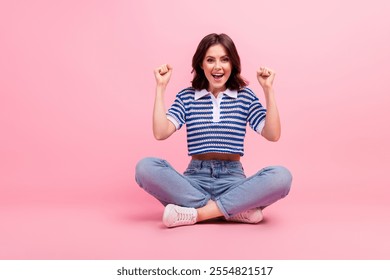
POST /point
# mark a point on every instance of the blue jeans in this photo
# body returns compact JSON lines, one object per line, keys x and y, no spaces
{"x":221,"y":181}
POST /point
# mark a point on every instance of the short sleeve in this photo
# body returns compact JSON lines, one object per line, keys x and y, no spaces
{"x":176,"y":113}
{"x":256,"y":115}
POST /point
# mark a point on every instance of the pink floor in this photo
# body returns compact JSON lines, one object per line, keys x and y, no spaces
{"x":117,"y":227}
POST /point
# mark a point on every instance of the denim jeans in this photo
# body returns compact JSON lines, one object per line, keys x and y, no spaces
{"x":221,"y":181}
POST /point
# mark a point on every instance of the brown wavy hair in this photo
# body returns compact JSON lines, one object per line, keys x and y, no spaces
{"x":235,"y":81}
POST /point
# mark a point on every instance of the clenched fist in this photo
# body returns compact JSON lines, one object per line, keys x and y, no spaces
{"x":163,"y":74}
{"x":265,"y":76}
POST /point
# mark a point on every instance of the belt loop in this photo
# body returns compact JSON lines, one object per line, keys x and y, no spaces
{"x":224,"y":166}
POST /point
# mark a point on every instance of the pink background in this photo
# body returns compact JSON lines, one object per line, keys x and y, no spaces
{"x":77,"y":91}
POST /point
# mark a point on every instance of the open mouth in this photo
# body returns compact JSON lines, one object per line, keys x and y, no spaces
{"x":217,"y":76}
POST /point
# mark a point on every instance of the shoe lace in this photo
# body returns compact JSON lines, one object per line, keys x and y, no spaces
{"x":243,"y":215}
{"x":185,"y":215}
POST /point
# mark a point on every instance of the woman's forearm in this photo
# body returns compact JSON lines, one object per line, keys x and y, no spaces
{"x":272,"y":128}
{"x":162,"y":127}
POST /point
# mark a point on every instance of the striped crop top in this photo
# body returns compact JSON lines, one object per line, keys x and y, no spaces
{"x":216,"y":124}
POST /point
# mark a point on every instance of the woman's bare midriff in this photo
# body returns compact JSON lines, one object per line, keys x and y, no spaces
{"x":217,"y":156}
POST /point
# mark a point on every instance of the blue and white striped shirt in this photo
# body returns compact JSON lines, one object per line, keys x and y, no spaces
{"x":216,"y":124}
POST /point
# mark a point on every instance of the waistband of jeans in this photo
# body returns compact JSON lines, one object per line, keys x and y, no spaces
{"x":214,"y":163}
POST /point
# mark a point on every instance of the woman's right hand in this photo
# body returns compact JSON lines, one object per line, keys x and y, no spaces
{"x":163,"y":74}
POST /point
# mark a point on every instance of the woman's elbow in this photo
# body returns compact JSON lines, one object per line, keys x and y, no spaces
{"x":273,"y":137}
{"x":160,"y":136}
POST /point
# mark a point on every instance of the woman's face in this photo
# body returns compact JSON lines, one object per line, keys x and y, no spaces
{"x":217,"y":68}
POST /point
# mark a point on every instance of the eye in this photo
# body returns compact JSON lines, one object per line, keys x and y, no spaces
{"x":225,"y":59}
{"x":210,"y":60}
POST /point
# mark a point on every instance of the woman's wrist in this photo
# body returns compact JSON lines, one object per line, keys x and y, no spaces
{"x":268,"y":90}
{"x":160,"y":88}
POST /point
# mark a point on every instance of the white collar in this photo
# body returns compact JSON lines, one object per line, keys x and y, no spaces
{"x":202,"y":93}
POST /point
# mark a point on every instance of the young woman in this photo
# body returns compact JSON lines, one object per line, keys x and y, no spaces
{"x":216,"y":110}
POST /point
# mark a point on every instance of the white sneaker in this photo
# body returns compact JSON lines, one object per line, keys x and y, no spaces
{"x":179,"y":216}
{"x":252,"y":216}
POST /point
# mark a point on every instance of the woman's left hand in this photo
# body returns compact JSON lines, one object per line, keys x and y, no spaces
{"x":265,"y":76}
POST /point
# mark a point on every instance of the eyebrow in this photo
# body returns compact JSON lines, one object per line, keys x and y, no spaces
{"x":210,"y":56}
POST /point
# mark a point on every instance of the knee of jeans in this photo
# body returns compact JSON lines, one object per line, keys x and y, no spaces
{"x":283,"y":177}
{"x":143,"y":168}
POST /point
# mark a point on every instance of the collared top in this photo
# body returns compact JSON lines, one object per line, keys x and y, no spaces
{"x":216,"y":124}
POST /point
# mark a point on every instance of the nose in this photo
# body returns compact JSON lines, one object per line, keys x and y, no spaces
{"x":217,"y":65}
